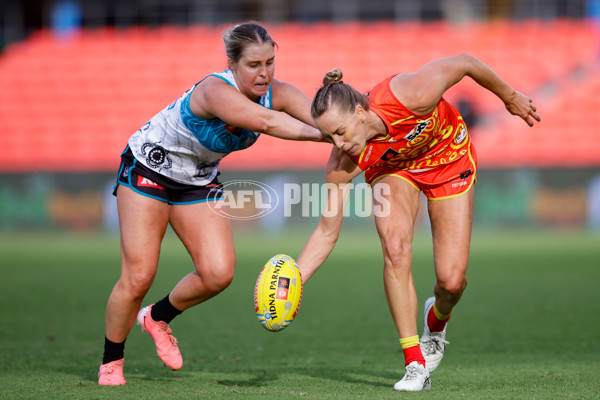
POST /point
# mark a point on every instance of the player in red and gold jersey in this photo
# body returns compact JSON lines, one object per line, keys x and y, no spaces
{"x":412,"y":142}
{"x":407,"y":138}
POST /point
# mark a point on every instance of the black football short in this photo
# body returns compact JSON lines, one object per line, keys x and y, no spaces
{"x":146,"y":182}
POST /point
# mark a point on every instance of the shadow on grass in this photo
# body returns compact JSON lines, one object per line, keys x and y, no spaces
{"x":356,"y":376}
{"x":258,"y":377}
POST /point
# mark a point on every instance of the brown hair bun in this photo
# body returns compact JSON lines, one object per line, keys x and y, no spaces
{"x":333,"y":76}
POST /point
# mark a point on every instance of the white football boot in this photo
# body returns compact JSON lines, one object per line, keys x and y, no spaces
{"x":433,"y":344}
{"x":415,"y":379}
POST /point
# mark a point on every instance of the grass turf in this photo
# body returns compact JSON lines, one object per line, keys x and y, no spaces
{"x":526,"y":328}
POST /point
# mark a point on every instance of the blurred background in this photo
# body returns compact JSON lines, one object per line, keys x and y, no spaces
{"x":78,"y":77}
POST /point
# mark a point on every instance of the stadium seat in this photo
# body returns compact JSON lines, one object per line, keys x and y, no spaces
{"x":96,"y":89}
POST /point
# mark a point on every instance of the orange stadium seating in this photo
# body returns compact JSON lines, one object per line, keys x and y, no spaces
{"x":71,"y":105}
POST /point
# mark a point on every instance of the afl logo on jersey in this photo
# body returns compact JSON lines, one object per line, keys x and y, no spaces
{"x":417,"y":130}
{"x":461,"y":136}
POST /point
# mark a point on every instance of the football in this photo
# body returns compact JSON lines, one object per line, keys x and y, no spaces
{"x":278,"y":293}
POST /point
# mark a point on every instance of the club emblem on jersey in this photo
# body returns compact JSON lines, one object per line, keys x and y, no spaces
{"x":417,"y":130}
{"x":389,"y":154}
{"x":156,"y":157}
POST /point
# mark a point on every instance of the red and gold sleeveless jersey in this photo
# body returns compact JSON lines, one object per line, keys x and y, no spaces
{"x":413,"y":142}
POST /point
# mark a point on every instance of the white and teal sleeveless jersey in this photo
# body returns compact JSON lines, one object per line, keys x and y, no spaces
{"x":181,"y":146}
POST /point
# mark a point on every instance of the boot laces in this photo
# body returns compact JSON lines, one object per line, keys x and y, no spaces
{"x":164,"y":327}
{"x":434,"y":344}
{"x":412,"y":373}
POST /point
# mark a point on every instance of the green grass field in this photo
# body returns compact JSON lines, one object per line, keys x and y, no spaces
{"x":526,"y":328}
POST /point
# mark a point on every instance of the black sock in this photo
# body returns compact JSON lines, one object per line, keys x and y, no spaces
{"x":163,"y":310}
{"x":113,"y":351}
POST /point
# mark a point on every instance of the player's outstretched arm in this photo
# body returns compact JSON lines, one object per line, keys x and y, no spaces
{"x":421,"y":91}
{"x":339,"y":174}
{"x":516,"y":102}
{"x":215,"y":98}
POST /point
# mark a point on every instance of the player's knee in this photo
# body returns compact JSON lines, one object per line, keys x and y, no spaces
{"x":137,"y":284}
{"x":453,"y":286}
{"x":217,"y":282}
{"x":225,"y":277}
{"x":220,"y":276}
{"x":398,"y":254}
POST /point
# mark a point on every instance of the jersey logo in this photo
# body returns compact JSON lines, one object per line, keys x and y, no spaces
{"x":417,"y":130}
{"x":366,"y":154}
{"x":461,"y":136}
{"x":148,"y":183}
{"x":389,"y":154}
{"x":465,"y":174}
{"x":157,"y":156}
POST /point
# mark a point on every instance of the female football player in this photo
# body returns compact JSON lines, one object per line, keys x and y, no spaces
{"x":168,"y":175}
{"x":406,"y":139}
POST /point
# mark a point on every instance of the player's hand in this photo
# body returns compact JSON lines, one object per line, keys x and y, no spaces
{"x":522,"y":106}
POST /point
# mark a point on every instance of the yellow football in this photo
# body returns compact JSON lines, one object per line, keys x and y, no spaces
{"x":278,"y":293}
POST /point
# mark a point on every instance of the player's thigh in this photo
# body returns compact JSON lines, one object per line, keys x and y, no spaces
{"x":451,"y":223}
{"x":206,"y":235}
{"x":398,"y":205}
{"x":142,"y":223}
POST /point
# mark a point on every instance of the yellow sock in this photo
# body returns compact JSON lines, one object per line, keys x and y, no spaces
{"x":412,"y":350}
{"x":439,"y":315}
{"x":409,"y":341}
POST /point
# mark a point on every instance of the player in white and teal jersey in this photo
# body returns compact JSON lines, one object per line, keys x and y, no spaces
{"x":167,"y":173}
{"x":180,"y":145}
